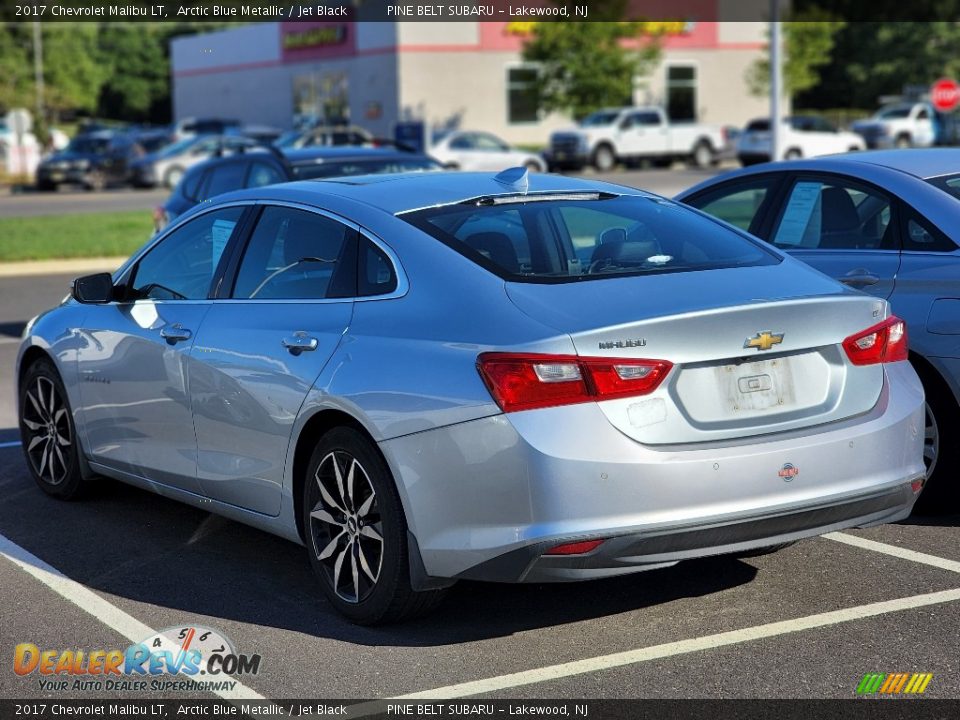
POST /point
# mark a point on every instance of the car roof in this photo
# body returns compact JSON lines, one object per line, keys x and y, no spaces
{"x":395,"y":193}
{"x":896,"y":169}
{"x":924,"y":163}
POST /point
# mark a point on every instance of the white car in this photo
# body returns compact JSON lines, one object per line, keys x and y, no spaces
{"x":803,"y":137}
{"x":481,"y":151}
{"x":901,"y":126}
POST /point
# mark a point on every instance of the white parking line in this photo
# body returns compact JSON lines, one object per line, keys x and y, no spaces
{"x":895,"y":551}
{"x":682,"y":647}
{"x":15,"y":443}
{"x":110,"y":615}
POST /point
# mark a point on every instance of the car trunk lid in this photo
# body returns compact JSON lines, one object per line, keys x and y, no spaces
{"x":754,"y":350}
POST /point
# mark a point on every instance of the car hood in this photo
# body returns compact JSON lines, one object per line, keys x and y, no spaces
{"x":577,"y":307}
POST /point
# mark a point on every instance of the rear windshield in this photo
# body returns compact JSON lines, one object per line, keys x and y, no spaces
{"x":342,"y":168}
{"x":564,"y":240}
{"x":758,"y":126}
{"x":948,"y":183}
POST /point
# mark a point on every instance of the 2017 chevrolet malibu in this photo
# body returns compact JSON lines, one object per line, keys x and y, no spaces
{"x":430,"y":377}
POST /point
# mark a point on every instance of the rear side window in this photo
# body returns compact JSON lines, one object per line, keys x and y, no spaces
{"x":835,"y":215}
{"x":225,"y":178}
{"x":263,"y":174}
{"x":376,"y":275}
{"x":294,"y":255}
{"x":920,"y":236}
{"x":566,"y":239}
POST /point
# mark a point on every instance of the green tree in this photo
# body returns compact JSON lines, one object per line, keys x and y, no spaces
{"x":873,"y":59}
{"x":808,"y":41}
{"x":585,"y":66}
{"x":16,"y":67}
{"x":139,"y":71}
{"x":73,"y":70}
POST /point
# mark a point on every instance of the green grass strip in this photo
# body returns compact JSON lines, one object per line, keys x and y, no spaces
{"x":81,"y":235}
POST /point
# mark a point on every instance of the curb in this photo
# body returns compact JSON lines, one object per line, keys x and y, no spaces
{"x":79,"y":266}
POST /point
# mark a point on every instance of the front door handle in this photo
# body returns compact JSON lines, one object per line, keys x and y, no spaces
{"x":175,"y":333}
{"x":859,"y":278}
{"x":299,"y":342}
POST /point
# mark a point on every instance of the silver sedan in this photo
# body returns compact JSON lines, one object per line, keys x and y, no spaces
{"x":512,"y":378}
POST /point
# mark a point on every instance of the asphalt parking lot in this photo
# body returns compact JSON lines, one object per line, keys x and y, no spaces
{"x":807,"y":622}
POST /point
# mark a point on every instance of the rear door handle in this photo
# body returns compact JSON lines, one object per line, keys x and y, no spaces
{"x":175,"y":333}
{"x":860,"y":278}
{"x":299,"y":342}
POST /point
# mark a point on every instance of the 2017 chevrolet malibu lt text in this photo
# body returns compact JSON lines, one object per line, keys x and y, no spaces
{"x":510,"y":378}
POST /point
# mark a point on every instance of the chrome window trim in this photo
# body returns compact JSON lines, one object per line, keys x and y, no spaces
{"x":163,"y":234}
{"x":403,"y":284}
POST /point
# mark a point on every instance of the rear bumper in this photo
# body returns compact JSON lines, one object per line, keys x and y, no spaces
{"x":71,"y":176}
{"x":486,"y":498}
{"x":566,"y":158}
{"x":666,"y":546}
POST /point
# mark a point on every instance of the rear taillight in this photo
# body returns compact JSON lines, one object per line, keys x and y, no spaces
{"x":883,"y":343}
{"x":525,"y":382}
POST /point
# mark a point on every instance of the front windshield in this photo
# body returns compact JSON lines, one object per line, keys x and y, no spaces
{"x":600,"y":118}
{"x":569,"y":239}
{"x":895,"y":112}
{"x":88,"y":145}
{"x":178,"y":147}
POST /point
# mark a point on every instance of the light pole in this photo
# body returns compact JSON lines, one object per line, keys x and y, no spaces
{"x":38,"y":69}
{"x":776,"y":82}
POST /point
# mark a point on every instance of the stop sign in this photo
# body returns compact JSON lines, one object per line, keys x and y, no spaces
{"x":945,"y":94}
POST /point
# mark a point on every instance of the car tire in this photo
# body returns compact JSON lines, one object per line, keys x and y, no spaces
{"x":356,"y":532}
{"x":533,"y":167}
{"x":793,"y":154}
{"x":47,"y":187}
{"x":902,"y":142}
{"x":604,"y":159}
{"x":941,"y":492}
{"x":172,"y":176}
{"x":702,"y":155}
{"x":48,"y":433}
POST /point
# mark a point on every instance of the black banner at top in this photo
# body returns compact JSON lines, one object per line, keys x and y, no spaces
{"x":468,"y":11}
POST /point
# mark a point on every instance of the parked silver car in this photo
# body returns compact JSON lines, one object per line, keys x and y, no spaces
{"x":515,"y":378}
{"x":885,"y":223}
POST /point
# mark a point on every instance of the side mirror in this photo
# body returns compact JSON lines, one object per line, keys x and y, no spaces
{"x":93,"y":289}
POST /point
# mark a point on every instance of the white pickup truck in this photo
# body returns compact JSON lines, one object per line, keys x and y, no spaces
{"x":902,"y":125}
{"x":632,"y":134}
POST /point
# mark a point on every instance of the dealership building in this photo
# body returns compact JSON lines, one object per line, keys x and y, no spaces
{"x":449,"y":74}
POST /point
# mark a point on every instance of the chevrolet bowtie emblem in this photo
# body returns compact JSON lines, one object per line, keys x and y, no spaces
{"x":764,"y":340}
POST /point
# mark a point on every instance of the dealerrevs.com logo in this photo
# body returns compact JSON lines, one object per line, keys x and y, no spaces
{"x":178,"y":658}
